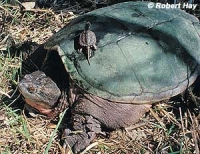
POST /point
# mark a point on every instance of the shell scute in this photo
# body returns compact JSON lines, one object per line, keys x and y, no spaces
{"x":87,"y":38}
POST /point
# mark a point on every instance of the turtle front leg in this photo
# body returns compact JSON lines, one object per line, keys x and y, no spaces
{"x":94,"y":47}
{"x":91,"y":112}
{"x":84,"y":131}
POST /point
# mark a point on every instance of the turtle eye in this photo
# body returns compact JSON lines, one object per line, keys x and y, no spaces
{"x":31,"y":89}
{"x":28,"y":77}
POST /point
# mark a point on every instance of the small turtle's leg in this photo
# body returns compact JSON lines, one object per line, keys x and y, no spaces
{"x":94,"y":47}
{"x":80,"y":50}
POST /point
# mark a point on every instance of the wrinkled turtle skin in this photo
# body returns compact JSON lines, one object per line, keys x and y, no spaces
{"x":143,"y":56}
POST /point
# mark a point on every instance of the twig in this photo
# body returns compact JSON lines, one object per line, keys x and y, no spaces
{"x":4,"y":93}
{"x":90,"y":147}
{"x":157,"y":118}
{"x":194,"y":133}
{"x":182,"y":124}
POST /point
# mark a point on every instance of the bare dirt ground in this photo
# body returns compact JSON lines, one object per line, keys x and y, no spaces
{"x":172,"y":126}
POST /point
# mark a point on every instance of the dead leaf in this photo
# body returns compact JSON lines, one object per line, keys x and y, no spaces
{"x":28,"y":5}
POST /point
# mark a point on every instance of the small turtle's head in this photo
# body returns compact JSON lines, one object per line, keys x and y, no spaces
{"x":87,"y":25}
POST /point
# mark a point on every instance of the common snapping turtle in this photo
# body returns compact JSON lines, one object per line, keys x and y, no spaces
{"x":87,"y":40}
{"x":143,"y":56}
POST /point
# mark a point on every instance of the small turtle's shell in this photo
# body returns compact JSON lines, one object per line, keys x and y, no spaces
{"x":144,"y":55}
{"x":87,"y":38}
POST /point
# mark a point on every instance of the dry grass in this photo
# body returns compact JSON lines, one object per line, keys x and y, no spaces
{"x":18,"y":133}
{"x":170,"y":127}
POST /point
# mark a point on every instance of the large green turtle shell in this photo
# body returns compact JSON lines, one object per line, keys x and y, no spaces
{"x":144,"y":55}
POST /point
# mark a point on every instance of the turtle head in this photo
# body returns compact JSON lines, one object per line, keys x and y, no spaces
{"x":39,"y":91}
{"x":87,"y":25}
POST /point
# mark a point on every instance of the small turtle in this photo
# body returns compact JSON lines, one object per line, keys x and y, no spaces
{"x":87,"y":40}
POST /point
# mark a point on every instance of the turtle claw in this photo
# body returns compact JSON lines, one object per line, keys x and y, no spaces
{"x":77,"y":141}
{"x":85,"y":130}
